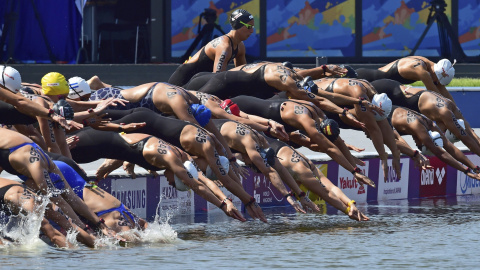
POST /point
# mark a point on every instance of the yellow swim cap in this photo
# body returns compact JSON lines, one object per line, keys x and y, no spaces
{"x":54,"y":83}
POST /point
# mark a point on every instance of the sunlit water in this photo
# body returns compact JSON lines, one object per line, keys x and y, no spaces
{"x":440,"y":233}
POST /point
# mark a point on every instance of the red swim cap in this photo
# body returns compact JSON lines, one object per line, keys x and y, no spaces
{"x":230,"y":107}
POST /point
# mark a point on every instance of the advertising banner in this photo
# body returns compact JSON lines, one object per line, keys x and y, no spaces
{"x":264,"y":192}
{"x":174,"y":201}
{"x":465,"y":184}
{"x":433,"y":181}
{"x":350,"y":186}
{"x":132,"y":193}
{"x":393,"y":187}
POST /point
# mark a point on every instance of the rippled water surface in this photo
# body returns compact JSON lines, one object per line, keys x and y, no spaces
{"x":440,"y":233}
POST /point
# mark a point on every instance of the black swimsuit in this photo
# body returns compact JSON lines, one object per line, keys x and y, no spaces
{"x":184,"y":72}
{"x":9,"y":115}
{"x":168,"y":129}
{"x":395,"y":93}
{"x":375,"y":74}
{"x":94,"y":144}
{"x":230,"y":84}
{"x":198,"y":80}
{"x":269,"y":109}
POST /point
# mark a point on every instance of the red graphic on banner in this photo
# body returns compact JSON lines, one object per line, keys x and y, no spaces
{"x":433,"y":182}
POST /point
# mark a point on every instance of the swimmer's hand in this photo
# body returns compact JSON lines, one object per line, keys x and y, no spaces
{"x":231,"y":211}
{"x":421,"y":161}
{"x":105,"y":103}
{"x":132,"y":126}
{"x":335,"y":71}
{"x":153,"y":173}
{"x":372,"y":108}
{"x":295,"y":204}
{"x":278,"y":130}
{"x":74,"y":125}
{"x":353,"y":120}
{"x":254,"y":210}
{"x":355,"y":214}
{"x":108,"y":166}
{"x":308,"y":204}
{"x":129,"y":168}
{"x":72,"y":141}
{"x":363,"y":179}
{"x":473,"y":175}
{"x":60,"y":120}
{"x":97,"y":121}
{"x":354,"y":148}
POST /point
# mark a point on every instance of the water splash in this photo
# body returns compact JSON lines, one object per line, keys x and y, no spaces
{"x":159,"y":230}
{"x":24,"y":228}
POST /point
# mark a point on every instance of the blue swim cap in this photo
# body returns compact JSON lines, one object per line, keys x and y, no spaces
{"x":201,"y":113}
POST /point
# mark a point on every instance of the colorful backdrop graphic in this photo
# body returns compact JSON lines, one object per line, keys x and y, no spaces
{"x":297,"y":28}
{"x":185,"y":15}
{"x":469,"y":26}
{"x":310,"y":28}
{"x":392,"y":27}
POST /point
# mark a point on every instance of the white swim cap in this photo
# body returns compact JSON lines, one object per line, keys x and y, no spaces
{"x":444,"y":71}
{"x":450,"y":136}
{"x":225,"y":164}
{"x":384,"y":102}
{"x":437,"y":140}
{"x":78,"y":87}
{"x":190,"y":167}
{"x":10,"y":78}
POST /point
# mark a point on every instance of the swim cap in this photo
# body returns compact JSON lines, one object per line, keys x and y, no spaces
{"x":240,"y":15}
{"x":191,"y":170}
{"x":54,"y":83}
{"x":268,"y":155}
{"x":450,"y":136}
{"x":63,"y":108}
{"x":201,"y":113}
{"x":444,"y":71}
{"x":230,"y":107}
{"x":385,"y":103}
{"x":225,"y":164}
{"x":287,"y":64}
{"x":351,"y":73}
{"x":78,"y":87}
{"x":309,"y":85}
{"x":330,"y":129}
{"x":11,"y":79}
{"x":437,"y":140}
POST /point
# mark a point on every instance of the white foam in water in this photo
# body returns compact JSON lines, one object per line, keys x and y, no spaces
{"x":72,"y":237}
{"x":24,"y":228}
{"x":160,"y":231}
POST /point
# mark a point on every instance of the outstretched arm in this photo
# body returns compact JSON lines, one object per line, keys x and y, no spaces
{"x":31,"y":108}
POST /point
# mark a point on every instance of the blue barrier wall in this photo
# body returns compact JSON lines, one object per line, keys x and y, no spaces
{"x":468,"y":102}
{"x":147,"y":195}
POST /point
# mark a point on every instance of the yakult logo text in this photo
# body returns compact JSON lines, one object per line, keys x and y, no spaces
{"x":345,"y":183}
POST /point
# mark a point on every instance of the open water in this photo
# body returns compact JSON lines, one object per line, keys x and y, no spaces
{"x":437,"y":233}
